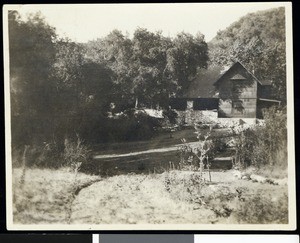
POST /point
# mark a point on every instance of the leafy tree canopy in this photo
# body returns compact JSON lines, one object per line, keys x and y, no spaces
{"x":258,"y":41}
{"x":149,"y":67}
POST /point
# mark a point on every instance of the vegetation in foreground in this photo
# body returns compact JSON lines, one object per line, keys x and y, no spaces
{"x":47,"y":197}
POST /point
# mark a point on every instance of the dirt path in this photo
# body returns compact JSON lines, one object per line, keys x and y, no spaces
{"x":144,"y":199}
{"x":150,"y":151}
{"x":133,"y":199}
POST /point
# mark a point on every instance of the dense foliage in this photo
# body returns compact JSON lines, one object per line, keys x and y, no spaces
{"x":267,"y":145}
{"x":263,"y":146}
{"x":149,"y":67}
{"x":32,"y":54}
{"x":258,"y":41}
{"x":60,"y":88}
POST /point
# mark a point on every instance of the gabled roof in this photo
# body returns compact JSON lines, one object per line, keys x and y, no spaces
{"x":234,"y":66}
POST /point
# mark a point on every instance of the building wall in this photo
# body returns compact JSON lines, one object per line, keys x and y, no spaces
{"x":247,"y":108}
{"x":248,"y":87}
{"x":238,"y":98}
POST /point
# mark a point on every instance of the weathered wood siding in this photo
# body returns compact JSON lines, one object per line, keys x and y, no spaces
{"x":238,"y":97}
{"x":247,"y":108}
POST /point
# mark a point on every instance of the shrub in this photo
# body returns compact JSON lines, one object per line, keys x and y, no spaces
{"x":52,"y":154}
{"x":263,"y":145}
{"x":270,"y":145}
{"x":129,"y":126}
{"x":184,"y":187}
{"x":47,"y":155}
{"x":187,"y":159}
{"x":263,"y":208}
{"x":75,"y":153}
{"x":194,"y":156}
{"x":218,"y":145}
{"x":171,"y":115}
{"x":274,"y":137}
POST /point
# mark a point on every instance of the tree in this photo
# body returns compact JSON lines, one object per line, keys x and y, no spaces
{"x":152,"y":84}
{"x":66,"y":73}
{"x":55,"y":91}
{"x":187,"y":55}
{"x":258,"y":41}
{"x":83,"y":90}
{"x":32,"y":53}
{"x":150,"y":67}
{"x":115,"y":52}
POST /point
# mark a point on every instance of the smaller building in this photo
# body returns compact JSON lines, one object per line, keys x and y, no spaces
{"x":240,"y":95}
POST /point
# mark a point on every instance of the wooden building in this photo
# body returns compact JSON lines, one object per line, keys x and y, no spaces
{"x":241,"y":94}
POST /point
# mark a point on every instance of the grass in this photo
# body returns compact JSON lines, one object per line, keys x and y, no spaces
{"x":275,"y":171}
{"x":161,"y":140}
{"x":45,"y":195}
{"x":144,"y":163}
{"x":167,"y":198}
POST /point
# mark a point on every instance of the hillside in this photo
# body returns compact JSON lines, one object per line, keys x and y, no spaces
{"x":269,"y":25}
{"x":258,"y":41}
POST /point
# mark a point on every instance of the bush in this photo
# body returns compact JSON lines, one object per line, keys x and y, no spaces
{"x":171,"y":116}
{"x":75,"y":153}
{"x":51,"y":155}
{"x":219,"y":146}
{"x":185,"y":187}
{"x":269,"y":143}
{"x":129,"y":126}
{"x":263,"y":209}
{"x":47,"y":155}
{"x":264,"y":145}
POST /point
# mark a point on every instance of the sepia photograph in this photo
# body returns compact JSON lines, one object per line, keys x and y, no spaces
{"x":174,"y":116}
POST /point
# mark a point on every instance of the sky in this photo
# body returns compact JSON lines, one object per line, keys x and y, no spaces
{"x":84,"y":22}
